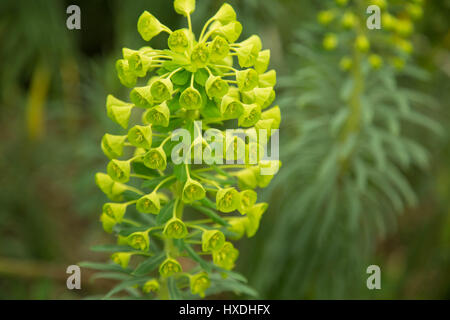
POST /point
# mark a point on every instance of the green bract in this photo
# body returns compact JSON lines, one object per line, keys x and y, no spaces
{"x":202,"y":84}
{"x":149,"y":203}
{"x":169,"y":267}
{"x":139,"y":241}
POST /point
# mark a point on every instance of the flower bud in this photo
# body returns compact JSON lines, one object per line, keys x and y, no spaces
{"x":345,"y":64}
{"x":192,"y":191}
{"x":161,"y":89}
{"x":330,"y":42}
{"x":151,"y":286}
{"x":362,"y":43}
{"x":200,"y":55}
{"x":226,"y":256}
{"x":126,"y":76}
{"x":169,"y":267}
{"x":380,"y":3}
{"x":248,"y":51}
{"x":175,"y":229}
{"x":212,"y":240}
{"x":184,"y":7}
{"x":274,"y":114}
{"x":227,"y":200}
{"x":149,"y":203}
{"x":115,"y":210}
{"x":199,"y":283}
{"x":119,"y":170}
{"x":404,"y":45}
{"x":138,"y":63}
{"x":139,"y":241}
{"x":348,"y":20}
{"x":108,"y":223}
{"x":415,"y":11}
{"x":230,"y":31}
{"x":230,"y":107}
{"x":264,"y":96}
{"x":341,"y":2}
{"x":251,"y":115}
{"x":237,"y":226}
{"x":246,"y":179}
{"x":247,"y":79}
{"x":142,"y":97}
{"x":325,"y":17}
{"x":218,"y":49}
{"x":254,"y":215}
{"x":148,"y":26}
{"x":375,"y":61}
{"x":248,"y":199}
{"x":191,"y":99}
{"x":159,"y":115}
{"x":121,"y":258}
{"x":262,"y":61}
{"x":389,"y":21}
{"x":225,"y":14}
{"x":118,"y":111}
{"x":179,"y":40}
{"x":140,"y":136}
{"x":112,"y":145}
{"x":156,"y":158}
{"x":216,"y":87}
{"x":268,"y":79}
{"x":111,"y":188}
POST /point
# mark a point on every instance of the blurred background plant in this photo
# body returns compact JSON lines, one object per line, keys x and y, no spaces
{"x":53,"y":86}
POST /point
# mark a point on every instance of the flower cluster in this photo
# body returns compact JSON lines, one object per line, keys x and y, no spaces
{"x":196,"y":79}
{"x":347,"y":19}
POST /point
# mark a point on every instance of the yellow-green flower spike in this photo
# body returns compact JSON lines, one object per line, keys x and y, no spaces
{"x":212,"y":240}
{"x":199,"y":283}
{"x":175,"y":229}
{"x":139,"y":241}
{"x":149,"y":203}
{"x":169,"y":267}
{"x":202,"y":84}
{"x":227,"y":200}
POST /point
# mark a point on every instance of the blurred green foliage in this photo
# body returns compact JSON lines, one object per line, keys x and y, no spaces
{"x":53,"y":84}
